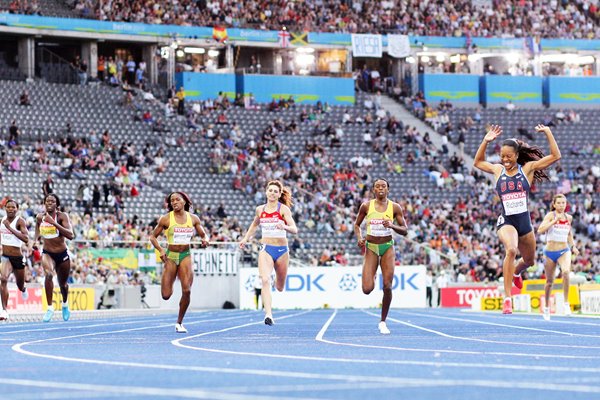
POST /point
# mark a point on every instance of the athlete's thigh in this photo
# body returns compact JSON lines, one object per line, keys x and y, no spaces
{"x":565,"y":262}
{"x":185,"y":272}
{"x":508,"y":236}
{"x":265,"y":263}
{"x":169,"y":272}
{"x":5,"y":269}
{"x":48,"y":263}
{"x":387,"y":265}
{"x":527,"y":246}
{"x":370,"y":264}
{"x":281,"y":265}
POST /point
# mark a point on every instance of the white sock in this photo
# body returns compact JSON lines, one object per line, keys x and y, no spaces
{"x":65,"y":305}
{"x":508,"y":298}
{"x":51,"y":308}
{"x":516,"y":275}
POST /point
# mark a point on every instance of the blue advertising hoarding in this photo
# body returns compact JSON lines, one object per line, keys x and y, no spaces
{"x":457,"y":88}
{"x":573,"y":91}
{"x":500,"y":89}
{"x":304,"y":89}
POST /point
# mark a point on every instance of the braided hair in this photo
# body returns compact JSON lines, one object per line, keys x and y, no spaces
{"x":527,"y":153}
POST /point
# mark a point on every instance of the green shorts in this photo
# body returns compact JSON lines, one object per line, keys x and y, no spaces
{"x":380,"y":249}
{"x":177,"y":257}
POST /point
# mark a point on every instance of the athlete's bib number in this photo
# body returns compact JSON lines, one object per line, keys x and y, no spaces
{"x":377,"y":228}
{"x":182,"y":235}
{"x":514,"y":203}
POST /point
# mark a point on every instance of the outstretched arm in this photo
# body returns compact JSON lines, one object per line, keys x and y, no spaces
{"x":479,"y":162}
{"x":551,"y":158}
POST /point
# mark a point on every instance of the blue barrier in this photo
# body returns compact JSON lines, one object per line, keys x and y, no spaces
{"x":304,"y":89}
{"x":500,"y":89}
{"x":457,"y":88}
{"x":199,"y":86}
{"x":573,"y":91}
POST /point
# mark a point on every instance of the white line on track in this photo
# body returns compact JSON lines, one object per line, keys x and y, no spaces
{"x":533,"y":344}
{"x":429,"y":382}
{"x":502,"y":325}
{"x":572,"y":320}
{"x":134,"y":390}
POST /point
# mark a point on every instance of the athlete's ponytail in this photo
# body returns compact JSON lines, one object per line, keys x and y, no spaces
{"x":286,"y":194}
{"x":526,"y":153}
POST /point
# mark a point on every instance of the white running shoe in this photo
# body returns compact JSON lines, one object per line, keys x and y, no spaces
{"x":179,"y":328}
{"x":567,"y":310}
{"x":383,"y":329}
{"x":546,"y":313}
{"x":3,"y":315}
{"x":25,"y":295}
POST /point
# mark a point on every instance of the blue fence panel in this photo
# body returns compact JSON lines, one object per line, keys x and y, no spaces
{"x":457,"y":88}
{"x":580,"y":91}
{"x":304,"y":89}
{"x":199,"y":86}
{"x":499,"y":89}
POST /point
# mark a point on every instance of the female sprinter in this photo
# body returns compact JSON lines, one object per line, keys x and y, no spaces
{"x":521,"y":166}
{"x":54,"y":227}
{"x":559,"y":245}
{"x":275,"y":221}
{"x":13,"y":234}
{"x":180,"y":226}
{"x":380,"y":214}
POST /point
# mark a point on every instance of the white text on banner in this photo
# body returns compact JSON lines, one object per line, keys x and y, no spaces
{"x":367,"y":46}
{"x":337,"y":287}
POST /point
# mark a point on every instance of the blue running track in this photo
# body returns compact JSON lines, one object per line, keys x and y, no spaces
{"x":320,"y":354}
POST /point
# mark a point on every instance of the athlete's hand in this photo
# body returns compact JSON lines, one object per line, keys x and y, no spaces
{"x":204,"y":242}
{"x":49,"y":219}
{"x":361,"y":242}
{"x":280,"y":226}
{"x":493,"y":133}
{"x":542,"y":128}
{"x":163,"y":256}
{"x":387,"y":223}
{"x":575,"y":250}
{"x":243,"y":244}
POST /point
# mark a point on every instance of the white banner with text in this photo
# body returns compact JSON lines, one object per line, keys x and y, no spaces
{"x":337,"y":287}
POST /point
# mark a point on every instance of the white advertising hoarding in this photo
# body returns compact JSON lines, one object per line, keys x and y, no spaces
{"x":337,"y":287}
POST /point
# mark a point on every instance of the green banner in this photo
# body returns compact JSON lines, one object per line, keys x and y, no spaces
{"x":116,"y":258}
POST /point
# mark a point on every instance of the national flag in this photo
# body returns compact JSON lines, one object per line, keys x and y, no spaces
{"x":284,"y":38}
{"x":299,"y":38}
{"x":220,"y":34}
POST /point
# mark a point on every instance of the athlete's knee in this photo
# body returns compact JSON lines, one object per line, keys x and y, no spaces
{"x":367,"y":289}
{"x":3,"y":281}
{"x":387,"y":286}
{"x":280,"y":286}
{"x":265,"y":280}
{"x":549,"y":281}
{"x":166,"y":294}
{"x":529,"y":261}
{"x":186,"y":292}
{"x":512,"y":251}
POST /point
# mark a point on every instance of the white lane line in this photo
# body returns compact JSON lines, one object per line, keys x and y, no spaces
{"x":527,"y":328}
{"x":129,"y":320}
{"x":326,"y":326}
{"x":135,"y":390}
{"x":439,"y":333}
{"x":571,"y":320}
{"x":350,"y":378}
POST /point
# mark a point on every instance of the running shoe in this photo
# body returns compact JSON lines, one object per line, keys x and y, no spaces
{"x":518,"y":281}
{"x":3,"y":315}
{"x":546,"y":313}
{"x":567,"y":310}
{"x":66,"y":313}
{"x":507,"y":306}
{"x":383,"y":329}
{"x":25,"y":294}
{"x":179,"y":328}
{"x":48,"y":316}
{"x":269,"y":321}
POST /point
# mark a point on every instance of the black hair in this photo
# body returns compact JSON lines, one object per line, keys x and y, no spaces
{"x":380,"y":179}
{"x":527,"y":153}
{"x":11,"y":201}
{"x":186,"y":198}
{"x":55,"y":198}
